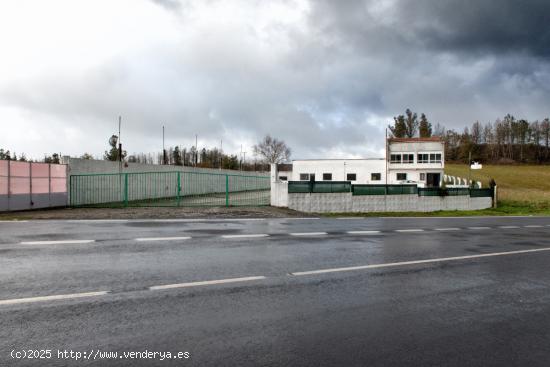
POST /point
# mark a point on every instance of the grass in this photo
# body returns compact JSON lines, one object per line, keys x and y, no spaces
{"x":523,"y":188}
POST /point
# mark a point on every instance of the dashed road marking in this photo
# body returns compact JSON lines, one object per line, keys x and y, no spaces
{"x":51,"y":298}
{"x":478,"y":228}
{"x":229,"y":236}
{"x":308,"y":234}
{"x":415,"y":262}
{"x":409,"y":230}
{"x":448,"y":229}
{"x":533,"y":226}
{"x":146,"y":239}
{"x":207,"y":282}
{"x":363,"y":232}
{"x":508,"y":227}
{"x":65,"y":242}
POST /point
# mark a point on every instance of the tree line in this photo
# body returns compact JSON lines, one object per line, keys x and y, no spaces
{"x":506,"y":140}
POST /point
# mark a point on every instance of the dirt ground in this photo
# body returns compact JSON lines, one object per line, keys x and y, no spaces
{"x":153,"y":213}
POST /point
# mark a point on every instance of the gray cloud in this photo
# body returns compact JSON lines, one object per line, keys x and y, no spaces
{"x":328,"y":85}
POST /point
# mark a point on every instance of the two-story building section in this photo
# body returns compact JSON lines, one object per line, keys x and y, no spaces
{"x":408,"y":160}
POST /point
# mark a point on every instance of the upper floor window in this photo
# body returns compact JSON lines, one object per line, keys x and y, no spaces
{"x":401,"y":176}
{"x":375,"y":176}
{"x":327,"y":176}
{"x":423,"y":158}
{"x":304,"y":176}
{"x":351,"y":177}
{"x":408,"y":158}
{"x":395,"y":158}
{"x":435,"y":158}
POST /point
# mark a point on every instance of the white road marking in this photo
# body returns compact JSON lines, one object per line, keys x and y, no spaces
{"x":410,"y":230}
{"x":51,"y":298}
{"x":415,"y":262}
{"x":304,"y":218}
{"x":508,"y":227}
{"x":144,"y":239}
{"x":308,"y":234}
{"x":533,"y":226}
{"x":478,"y":228}
{"x":97,"y":220}
{"x":448,"y":229}
{"x":191,"y":220}
{"x":348,"y":218}
{"x":65,"y":242}
{"x":363,"y":232}
{"x":13,"y":221}
{"x":245,"y":235}
{"x":207,"y":282}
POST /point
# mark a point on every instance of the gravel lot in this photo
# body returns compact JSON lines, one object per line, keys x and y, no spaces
{"x":153,"y":213}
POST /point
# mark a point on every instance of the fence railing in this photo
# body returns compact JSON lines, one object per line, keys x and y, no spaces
{"x":169,"y":189}
{"x":380,"y":189}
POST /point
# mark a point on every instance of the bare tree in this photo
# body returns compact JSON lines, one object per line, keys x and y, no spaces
{"x":272,"y":150}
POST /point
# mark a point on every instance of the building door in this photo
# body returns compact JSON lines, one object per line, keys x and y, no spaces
{"x":432,"y":179}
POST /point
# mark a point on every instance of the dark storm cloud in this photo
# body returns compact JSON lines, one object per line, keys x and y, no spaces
{"x":329,"y":88}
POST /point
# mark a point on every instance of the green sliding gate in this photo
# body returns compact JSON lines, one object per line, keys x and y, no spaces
{"x":168,"y":189}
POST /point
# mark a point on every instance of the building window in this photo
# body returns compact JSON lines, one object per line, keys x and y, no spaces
{"x":304,"y":176}
{"x":435,"y":158}
{"x":375,"y":176}
{"x":401,"y":177}
{"x":283,"y":178}
{"x":351,"y":177}
{"x":395,"y":158}
{"x":408,"y":158}
{"x":312,"y":176}
{"x":327,"y":176}
{"x":422,"y":177}
{"x":423,"y":158}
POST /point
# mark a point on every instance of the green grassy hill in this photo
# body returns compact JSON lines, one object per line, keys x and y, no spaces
{"x":519,"y":186}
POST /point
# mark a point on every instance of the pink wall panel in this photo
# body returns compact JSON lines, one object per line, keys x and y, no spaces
{"x":59,"y":170}
{"x":58,"y":185}
{"x":3,"y":177}
{"x":40,"y":170}
{"x":20,"y":185}
{"x":19,"y":169}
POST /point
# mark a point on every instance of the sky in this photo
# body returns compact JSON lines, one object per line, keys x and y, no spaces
{"x":325,"y":76}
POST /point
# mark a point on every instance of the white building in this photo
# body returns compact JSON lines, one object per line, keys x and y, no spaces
{"x":408,"y":160}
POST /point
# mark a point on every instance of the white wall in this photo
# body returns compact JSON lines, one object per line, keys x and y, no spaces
{"x":363,"y":168}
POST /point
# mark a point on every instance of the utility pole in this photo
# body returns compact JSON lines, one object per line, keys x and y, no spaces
{"x":221,"y":154}
{"x":119,"y":145}
{"x":163,"y":149}
{"x":469,"y":167}
{"x":196,"y":150}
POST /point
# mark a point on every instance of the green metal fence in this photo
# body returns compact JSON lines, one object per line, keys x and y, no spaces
{"x":384,"y":189}
{"x":169,"y":189}
{"x":481,"y":193}
{"x":318,"y":186}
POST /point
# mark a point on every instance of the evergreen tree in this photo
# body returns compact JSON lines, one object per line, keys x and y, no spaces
{"x":425,"y":127}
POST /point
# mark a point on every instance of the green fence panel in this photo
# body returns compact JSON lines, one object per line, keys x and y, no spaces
{"x":298,"y":187}
{"x":168,"y":189}
{"x":369,"y":189}
{"x":402,"y":189}
{"x":331,"y":186}
{"x":457,"y":191}
{"x":481,"y":193}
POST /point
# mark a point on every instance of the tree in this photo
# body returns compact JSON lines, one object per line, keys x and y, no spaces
{"x":176,"y":156}
{"x":112,"y":153}
{"x":54,"y":158}
{"x":398,"y":129}
{"x":86,"y":156}
{"x":411,"y":123}
{"x":272,"y":150}
{"x":425,"y":127}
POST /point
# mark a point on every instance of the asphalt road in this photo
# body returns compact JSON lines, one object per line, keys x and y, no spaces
{"x":276,"y":292}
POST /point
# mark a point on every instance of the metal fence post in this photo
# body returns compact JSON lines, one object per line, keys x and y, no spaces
{"x":226,"y":190}
{"x":179,"y":187}
{"x":126,"y":189}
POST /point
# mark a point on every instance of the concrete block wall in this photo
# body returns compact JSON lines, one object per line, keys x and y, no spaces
{"x":347,"y":203}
